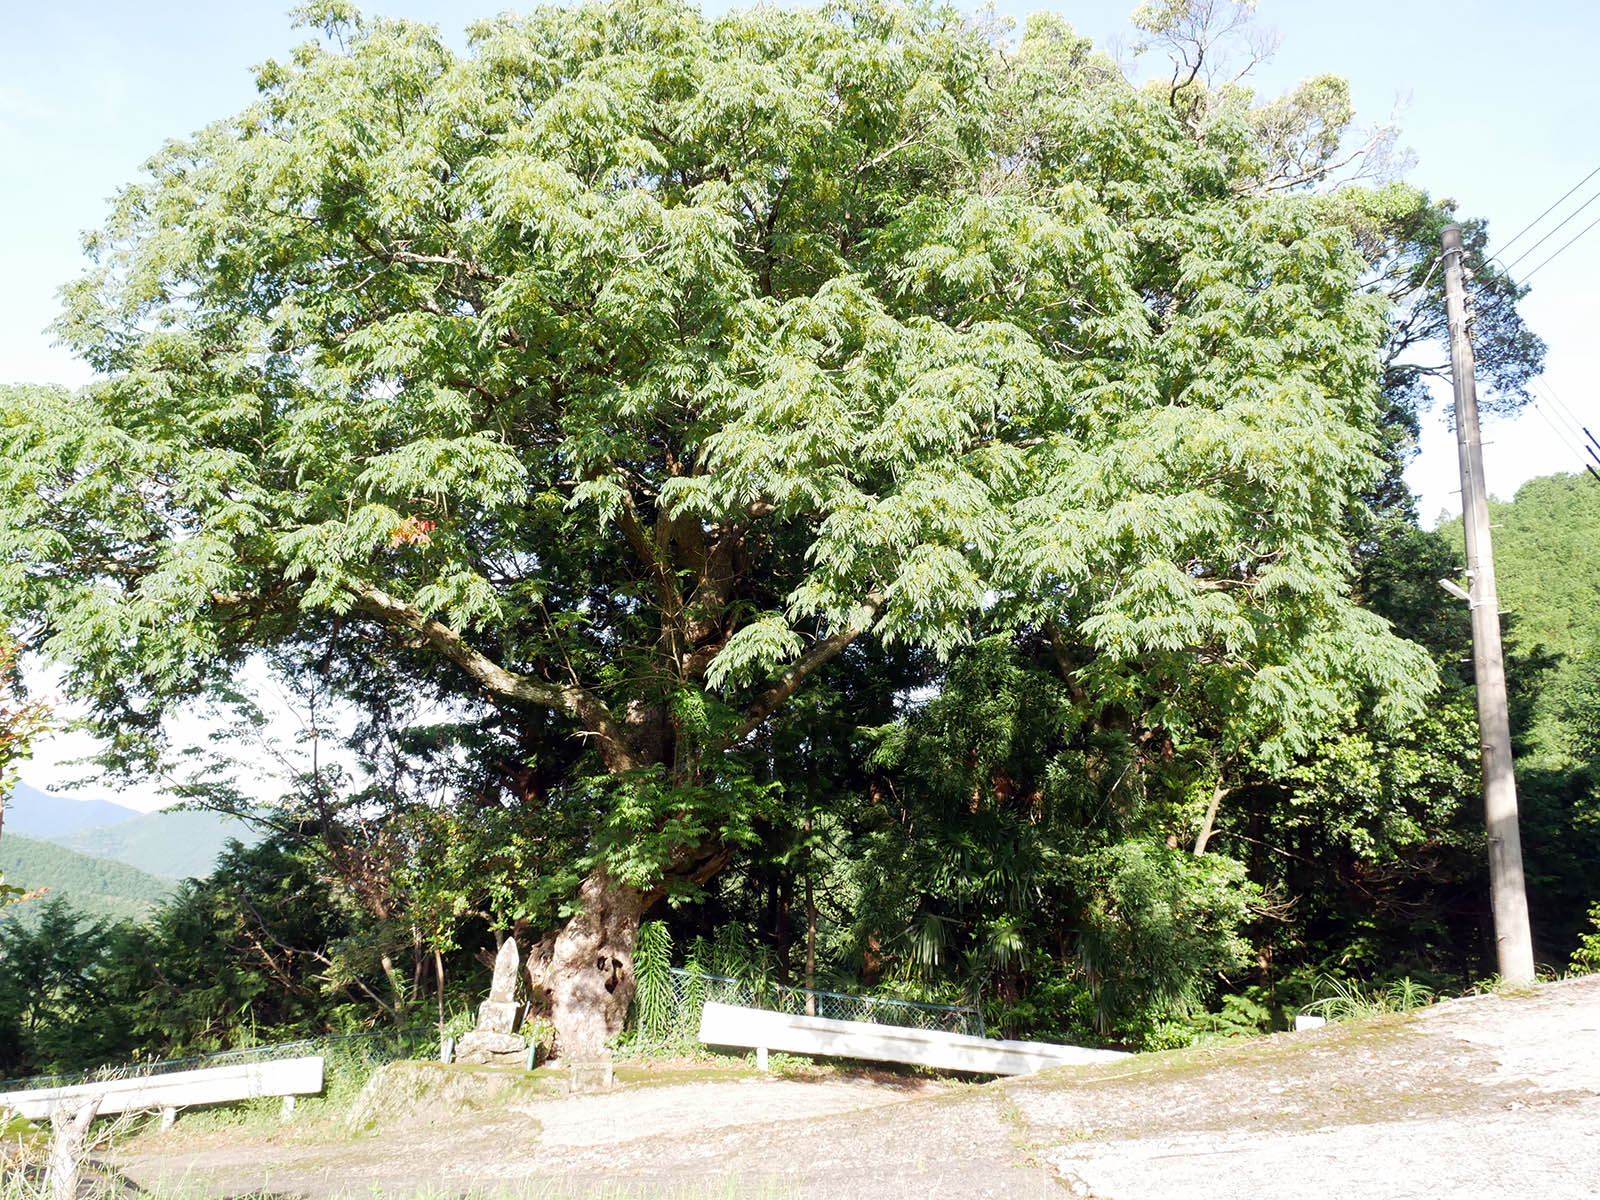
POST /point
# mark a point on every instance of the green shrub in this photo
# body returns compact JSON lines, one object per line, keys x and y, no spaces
{"x":1241,"y":1015}
{"x":1586,"y":958}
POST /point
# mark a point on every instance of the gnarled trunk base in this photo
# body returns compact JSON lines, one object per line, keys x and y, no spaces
{"x":590,"y":976}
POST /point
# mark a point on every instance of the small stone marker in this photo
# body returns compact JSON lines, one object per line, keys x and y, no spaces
{"x":498,"y":1014}
{"x":503,"y":987}
{"x":495,"y":1040}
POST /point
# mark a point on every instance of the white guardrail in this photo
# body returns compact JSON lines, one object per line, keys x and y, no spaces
{"x":761,"y":1030}
{"x":287,"y":1077}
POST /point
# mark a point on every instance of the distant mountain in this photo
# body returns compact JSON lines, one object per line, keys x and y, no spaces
{"x":95,"y":886}
{"x":169,"y":842}
{"x":37,"y":814}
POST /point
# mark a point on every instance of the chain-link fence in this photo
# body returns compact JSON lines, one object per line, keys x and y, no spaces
{"x":669,"y":1005}
{"x":351,"y":1050}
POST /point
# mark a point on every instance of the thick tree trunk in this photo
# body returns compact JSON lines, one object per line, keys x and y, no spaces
{"x":590,"y":976}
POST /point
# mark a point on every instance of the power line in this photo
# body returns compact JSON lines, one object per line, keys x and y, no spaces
{"x":1561,"y":411}
{"x":1563,"y":407}
{"x":1547,"y":212}
{"x":1561,"y":435}
{"x":1568,"y":444}
{"x":1551,"y":233}
{"x":1558,"y":253}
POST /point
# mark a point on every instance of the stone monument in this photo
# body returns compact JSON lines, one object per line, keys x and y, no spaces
{"x":496,"y":1041}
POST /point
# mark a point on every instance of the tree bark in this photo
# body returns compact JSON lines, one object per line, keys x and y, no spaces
{"x":1210,"y":821}
{"x":590,"y":978}
{"x":438,"y":980}
{"x":811,"y":931}
{"x":69,"y":1135}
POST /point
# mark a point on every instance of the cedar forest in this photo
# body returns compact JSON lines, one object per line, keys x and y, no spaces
{"x":868,"y":490}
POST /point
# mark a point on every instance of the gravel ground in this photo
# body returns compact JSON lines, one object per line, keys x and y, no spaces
{"x":1491,"y":1096}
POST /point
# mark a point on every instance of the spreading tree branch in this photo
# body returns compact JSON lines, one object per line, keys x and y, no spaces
{"x":789,"y":682}
{"x":590,"y":711}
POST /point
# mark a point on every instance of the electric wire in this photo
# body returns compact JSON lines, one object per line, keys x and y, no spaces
{"x":1563,"y":437}
{"x":1572,"y":418}
{"x":1563,"y":249}
{"x":1553,"y":402}
{"x":1510,"y":266}
{"x":1524,"y":230}
{"x":1544,"y":409}
{"x":1559,"y":409}
{"x":1575,"y":422}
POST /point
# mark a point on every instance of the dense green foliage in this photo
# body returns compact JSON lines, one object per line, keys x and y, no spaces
{"x":1547,"y":566}
{"x":96,"y":886}
{"x":927,"y":499}
{"x":261,"y":951}
{"x":1586,"y":958}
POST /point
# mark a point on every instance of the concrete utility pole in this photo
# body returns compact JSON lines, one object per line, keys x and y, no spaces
{"x":1513,"y":942}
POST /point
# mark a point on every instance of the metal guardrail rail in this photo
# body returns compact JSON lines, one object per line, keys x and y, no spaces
{"x":679,"y":1019}
{"x":402,"y":1040}
{"x":764,"y":1031}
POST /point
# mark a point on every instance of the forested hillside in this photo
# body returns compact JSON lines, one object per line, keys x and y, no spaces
{"x":1547,"y":563}
{"x":96,"y":887}
{"x":171,"y":843}
{"x":836,"y":495}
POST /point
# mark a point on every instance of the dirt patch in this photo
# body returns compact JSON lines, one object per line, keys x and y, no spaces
{"x":422,"y":1126}
{"x":632,"y":1115}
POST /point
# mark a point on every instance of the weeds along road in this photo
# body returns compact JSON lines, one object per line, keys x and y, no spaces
{"x":1490,"y":1096}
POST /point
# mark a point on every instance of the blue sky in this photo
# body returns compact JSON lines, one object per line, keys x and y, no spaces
{"x":1495,"y":100}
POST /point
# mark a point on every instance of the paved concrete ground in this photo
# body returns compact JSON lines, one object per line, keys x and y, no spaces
{"x":1493,"y":1096}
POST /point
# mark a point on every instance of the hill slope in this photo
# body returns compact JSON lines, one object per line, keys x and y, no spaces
{"x":99,"y":887}
{"x":1547,"y":565}
{"x":171,"y":843}
{"x":37,"y":814}
{"x":1547,"y":561}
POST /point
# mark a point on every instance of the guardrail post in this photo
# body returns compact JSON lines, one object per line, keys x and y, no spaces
{"x":168,"y":1117}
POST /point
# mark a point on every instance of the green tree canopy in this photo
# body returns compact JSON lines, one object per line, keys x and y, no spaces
{"x":616,"y":375}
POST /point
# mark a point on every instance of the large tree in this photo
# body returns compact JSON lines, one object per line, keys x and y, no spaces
{"x":615,"y":376}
